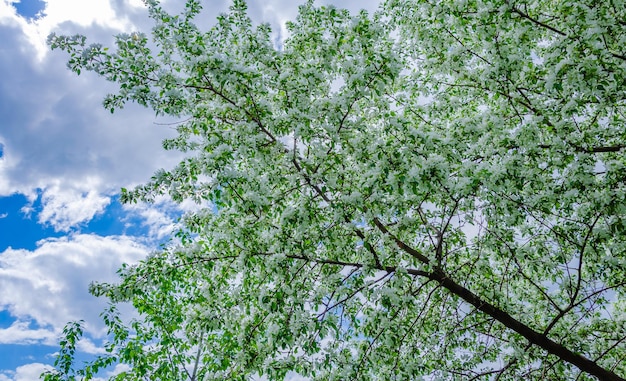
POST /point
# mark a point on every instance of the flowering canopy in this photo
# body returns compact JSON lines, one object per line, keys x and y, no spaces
{"x":436,"y":190}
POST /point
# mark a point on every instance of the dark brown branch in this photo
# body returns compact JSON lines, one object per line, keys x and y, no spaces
{"x":506,"y":319}
{"x":537,"y":22}
{"x":616,"y":148}
{"x":389,"y":269}
{"x":534,"y":337}
{"x":600,"y":149}
{"x":406,"y":248}
{"x":555,"y":30}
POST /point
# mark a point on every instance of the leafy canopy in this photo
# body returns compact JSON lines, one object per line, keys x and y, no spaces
{"x":433,"y":191}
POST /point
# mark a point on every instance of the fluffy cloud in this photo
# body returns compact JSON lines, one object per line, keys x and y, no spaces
{"x":47,"y":287}
{"x":67,"y":207}
{"x":28,"y":372}
{"x":57,"y":139}
{"x":57,"y":133}
{"x":21,"y":332}
{"x":57,"y":13}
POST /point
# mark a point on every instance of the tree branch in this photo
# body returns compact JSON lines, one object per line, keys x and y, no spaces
{"x":534,"y":337}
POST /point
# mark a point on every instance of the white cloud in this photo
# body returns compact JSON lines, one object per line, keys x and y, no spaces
{"x":64,"y":208}
{"x":119,"y":368}
{"x":57,"y":139}
{"x":85,"y":345}
{"x":21,"y":332}
{"x":48,"y":285}
{"x":27,"y":372}
{"x":57,"y":12}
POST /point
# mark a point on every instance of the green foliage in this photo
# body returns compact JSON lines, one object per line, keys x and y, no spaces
{"x":433,"y":191}
{"x":65,"y":359}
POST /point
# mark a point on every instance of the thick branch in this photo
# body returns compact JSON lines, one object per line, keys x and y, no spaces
{"x":537,"y":22}
{"x":600,"y":149}
{"x":406,"y":248}
{"x":555,"y":30}
{"x":534,"y":337}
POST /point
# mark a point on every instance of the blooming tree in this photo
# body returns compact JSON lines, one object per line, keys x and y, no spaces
{"x":436,"y":191}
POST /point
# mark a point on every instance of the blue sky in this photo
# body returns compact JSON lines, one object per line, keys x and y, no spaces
{"x":63,"y":160}
{"x":30,"y":8}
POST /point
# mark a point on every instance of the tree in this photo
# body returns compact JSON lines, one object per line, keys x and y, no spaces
{"x":436,"y":190}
